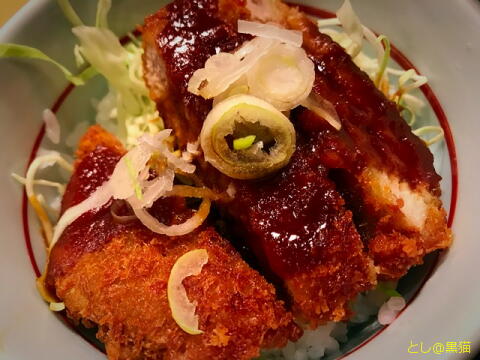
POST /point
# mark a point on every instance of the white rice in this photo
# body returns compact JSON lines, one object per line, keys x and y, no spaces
{"x":313,"y":345}
{"x":326,"y":340}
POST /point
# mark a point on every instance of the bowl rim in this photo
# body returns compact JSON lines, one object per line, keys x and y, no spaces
{"x":27,"y":12}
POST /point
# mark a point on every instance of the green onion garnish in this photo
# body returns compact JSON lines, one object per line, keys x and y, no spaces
{"x":244,"y":142}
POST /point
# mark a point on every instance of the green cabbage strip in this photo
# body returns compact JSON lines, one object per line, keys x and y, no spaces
{"x":386,"y":57}
{"x":103,"y":7}
{"x":436,"y":130}
{"x":22,"y":51}
{"x":69,"y":12}
{"x":388,"y":289}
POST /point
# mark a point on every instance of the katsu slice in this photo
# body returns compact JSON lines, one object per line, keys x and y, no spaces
{"x":114,"y":275}
{"x":385,"y":172}
{"x":295,"y":222}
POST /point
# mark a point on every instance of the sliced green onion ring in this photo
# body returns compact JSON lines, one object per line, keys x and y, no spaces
{"x":259,"y":118}
{"x":283,"y":77}
{"x":183,"y":310}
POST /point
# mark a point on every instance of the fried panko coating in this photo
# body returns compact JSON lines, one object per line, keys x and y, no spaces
{"x":386,"y":172}
{"x":122,"y":288}
{"x":115,"y":276}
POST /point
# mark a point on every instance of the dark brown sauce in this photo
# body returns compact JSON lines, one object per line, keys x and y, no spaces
{"x":94,"y":228}
{"x":192,"y":34}
{"x":373,"y":133}
{"x":296,"y":219}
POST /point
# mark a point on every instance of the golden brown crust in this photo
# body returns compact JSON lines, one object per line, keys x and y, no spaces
{"x":396,"y":250}
{"x":122,"y":288}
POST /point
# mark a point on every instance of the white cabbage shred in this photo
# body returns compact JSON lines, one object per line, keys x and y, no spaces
{"x":127,"y":111}
{"x":127,"y":106}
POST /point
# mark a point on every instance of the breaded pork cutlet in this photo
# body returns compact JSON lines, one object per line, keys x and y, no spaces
{"x":115,"y":276}
{"x":374,"y":165}
{"x":295,"y":223}
{"x":385,"y":171}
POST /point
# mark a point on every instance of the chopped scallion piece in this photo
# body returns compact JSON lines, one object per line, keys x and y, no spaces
{"x":392,"y":293}
{"x":244,"y":142}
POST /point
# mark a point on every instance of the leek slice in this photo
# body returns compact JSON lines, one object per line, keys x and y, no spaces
{"x":283,"y":77}
{"x":183,"y":310}
{"x":256,"y":117}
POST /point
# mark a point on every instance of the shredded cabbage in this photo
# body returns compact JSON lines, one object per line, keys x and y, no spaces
{"x":127,"y":109}
{"x":352,"y":26}
{"x":36,"y":200}
{"x":59,"y":186}
{"x":132,"y":112}
{"x":52,"y":127}
{"x":437,"y":131}
{"x":22,"y":51}
{"x":69,"y":12}
{"x":386,"y":57}
{"x":103,"y":7}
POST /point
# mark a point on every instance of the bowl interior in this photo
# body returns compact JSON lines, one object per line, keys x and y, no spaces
{"x":40,"y":85}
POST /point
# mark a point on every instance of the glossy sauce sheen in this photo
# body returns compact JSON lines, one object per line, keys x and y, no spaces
{"x":293,"y":221}
{"x":296,"y":220}
{"x":373,"y":132}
